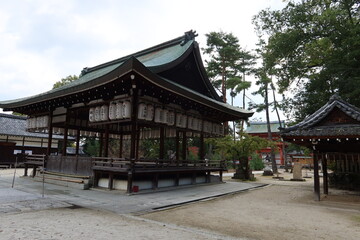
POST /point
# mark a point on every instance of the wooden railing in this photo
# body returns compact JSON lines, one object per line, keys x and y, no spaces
{"x":34,"y":161}
{"x":122,"y":163}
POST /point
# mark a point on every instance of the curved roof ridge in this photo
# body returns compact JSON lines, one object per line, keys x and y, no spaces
{"x":190,"y":35}
{"x":334,"y":101}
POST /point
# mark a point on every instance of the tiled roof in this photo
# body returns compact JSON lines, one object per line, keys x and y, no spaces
{"x":12,"y":125}
{"x":309,"y":126}
{"x":261,"y":127}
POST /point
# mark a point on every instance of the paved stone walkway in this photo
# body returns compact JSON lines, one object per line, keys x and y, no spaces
{"x":27,"y":195}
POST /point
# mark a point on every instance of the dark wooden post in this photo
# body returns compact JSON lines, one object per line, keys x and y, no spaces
{"x":137,"y":144}
{"x":134,"y":126}
{"x":50,"y":132}
{"x":316,"y":177}
{"x":77,"y":142}
{"x":121,"y":146}
{"x":162,"y":143}
{"x":201,"y":150}
{"x":184,"y":145}
{"x":101,"y":145}
{"x":177,"y":147}
{"x":65,"y":141}
{"x":106,"y":149}
{"x":325,"y":174}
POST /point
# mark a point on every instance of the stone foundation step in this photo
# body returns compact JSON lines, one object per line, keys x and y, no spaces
{"x":67,"y":180}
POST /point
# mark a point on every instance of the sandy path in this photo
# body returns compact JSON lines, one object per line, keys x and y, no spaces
{"x":282,"y":211}
{"x":81,"y":224}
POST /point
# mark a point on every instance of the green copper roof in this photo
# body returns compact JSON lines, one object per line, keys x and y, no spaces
{"x":261,"y":127}
{"x":153,"y":57}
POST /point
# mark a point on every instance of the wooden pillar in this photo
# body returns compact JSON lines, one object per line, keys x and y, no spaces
{"x":101,"y":145}
{"x":316,"y":178}
{"x":111,"y":179}
{"x":137,"y":144}
{"x":208,"y":176}
{"x":184,"y":145}
{"x":177,"y":147}
{"x":106,"y":148}
{"x":325,"y":175}
{"x":193,"y":178}
{"x":65,"y":141}
{"x":77,"y":142}
{"x":121,"y":146}
{"x":201,"y":148}
{"x":50,"y":132}
{"x":155,"y":183}
{"x":162,"y":143}
{"x":134,"y":126}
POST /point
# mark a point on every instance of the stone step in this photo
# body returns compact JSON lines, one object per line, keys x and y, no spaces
{"x":72,"y":181}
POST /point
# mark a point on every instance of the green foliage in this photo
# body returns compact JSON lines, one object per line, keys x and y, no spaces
{"x":65,"y":81}
{"x":227,"y":62}
{"x":91,"y":147}
{"x":245,"y":146}
{"x":256,"y":163}
{"x":313,"y":49}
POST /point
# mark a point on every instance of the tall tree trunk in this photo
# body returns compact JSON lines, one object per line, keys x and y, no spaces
{"x":243,"y":121}
{"x":273,"y":161}
{"x":223,"y":89}
{"x":232,"y":104}
{"x":280,"y":124}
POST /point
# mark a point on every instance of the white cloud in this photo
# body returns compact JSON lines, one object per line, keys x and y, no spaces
{"x":43,"y":41}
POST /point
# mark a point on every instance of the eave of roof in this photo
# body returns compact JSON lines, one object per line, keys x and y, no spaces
{"x":309,"y":127}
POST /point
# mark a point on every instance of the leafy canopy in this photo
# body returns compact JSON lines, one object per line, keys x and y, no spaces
{"x":313,"y":48}
{"x":65,"y":81}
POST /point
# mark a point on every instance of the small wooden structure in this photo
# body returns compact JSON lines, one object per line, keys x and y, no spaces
{"x":15,"y":141}
{"x":333,"y":133}
{"x":158,"y":93}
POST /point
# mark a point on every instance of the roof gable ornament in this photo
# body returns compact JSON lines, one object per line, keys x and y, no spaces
{"x":334,"y":97}
{"x":190,"y":35}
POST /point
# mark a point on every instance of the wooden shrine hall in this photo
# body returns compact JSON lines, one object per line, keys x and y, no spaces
{"x":333,"y":133}
{"x":159,"y":93}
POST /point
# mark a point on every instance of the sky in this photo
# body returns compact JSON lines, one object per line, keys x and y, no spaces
{"x":42,"y":41}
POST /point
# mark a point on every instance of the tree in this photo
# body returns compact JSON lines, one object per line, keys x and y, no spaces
{"x":263,"y":82}
{"x":65,"y":81}
{"x":227,"y":64}
{"x":241,"y":150}
{"x":313,"y":48}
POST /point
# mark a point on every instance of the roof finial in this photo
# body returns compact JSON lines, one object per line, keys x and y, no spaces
{"x":190,"y":35}
{"x":334,"y":97}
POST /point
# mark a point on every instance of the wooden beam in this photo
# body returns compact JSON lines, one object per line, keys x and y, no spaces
{"x":316,"y":177}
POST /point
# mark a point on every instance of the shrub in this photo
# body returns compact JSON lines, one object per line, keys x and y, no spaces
{"x":256,"y":163}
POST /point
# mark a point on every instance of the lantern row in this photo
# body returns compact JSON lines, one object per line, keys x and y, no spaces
{"x":122,"y":110}
{"x":37,"y":122}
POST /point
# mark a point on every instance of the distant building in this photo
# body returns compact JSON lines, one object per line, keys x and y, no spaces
{"x":14,"y":139}
{"x":260,"y":129}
